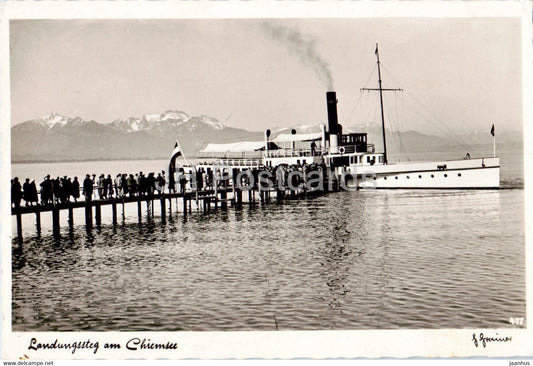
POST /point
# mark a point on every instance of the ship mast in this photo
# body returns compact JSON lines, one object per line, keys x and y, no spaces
{"x":381,"y":104}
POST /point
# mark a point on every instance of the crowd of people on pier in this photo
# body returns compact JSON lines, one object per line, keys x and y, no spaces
{"x":67,"y":189}
{"x":62,"y":190}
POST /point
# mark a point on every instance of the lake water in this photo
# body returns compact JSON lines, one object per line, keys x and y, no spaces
{"x":348,"y":260}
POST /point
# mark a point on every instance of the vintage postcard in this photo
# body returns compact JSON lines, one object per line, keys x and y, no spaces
{"x":265,"y":180}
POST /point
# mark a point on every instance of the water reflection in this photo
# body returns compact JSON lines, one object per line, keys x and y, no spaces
{"x":353,"y":260}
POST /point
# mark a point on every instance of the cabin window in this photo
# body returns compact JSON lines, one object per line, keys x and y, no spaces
{"x":458,"y":174}
{"x":407,"y":177}
{"x":368,"y":159}
{"x":341,"y":160}
{"x":298,"y":161}
{"x":303,"y":162}
{"x":445,"y":175}
{"x":385,"y":178}
{"x":395,"y":177}
{"x":419,"y":176}
{"x":432,"y":176}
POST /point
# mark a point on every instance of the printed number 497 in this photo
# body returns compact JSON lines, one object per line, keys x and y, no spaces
{"x":516,"y":321}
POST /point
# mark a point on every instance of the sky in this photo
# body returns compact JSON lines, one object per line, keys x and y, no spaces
{"x":258,"y":74}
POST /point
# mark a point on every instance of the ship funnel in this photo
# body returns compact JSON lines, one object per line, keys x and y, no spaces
{"x":334,"y":128}
{"x":333,"y":120}
{"x":267,"y":135}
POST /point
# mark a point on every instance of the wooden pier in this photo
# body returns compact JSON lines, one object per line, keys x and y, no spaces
{"x":205,"y":200}
{"x":219,"y":195}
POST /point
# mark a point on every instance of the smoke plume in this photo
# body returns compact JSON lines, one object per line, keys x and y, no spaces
{"x":302,"y":47}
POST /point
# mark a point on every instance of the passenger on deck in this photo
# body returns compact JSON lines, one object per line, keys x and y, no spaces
{"x":199,"y":179}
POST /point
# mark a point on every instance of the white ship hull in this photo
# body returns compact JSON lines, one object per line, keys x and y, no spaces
{"x":481,"y":173}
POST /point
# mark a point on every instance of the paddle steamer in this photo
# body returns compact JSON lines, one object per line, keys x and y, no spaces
{"x":351,"y":159}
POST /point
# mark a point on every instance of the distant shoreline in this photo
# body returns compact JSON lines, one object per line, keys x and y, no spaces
{"x":438,"y":149}
{"x":79,"y":160}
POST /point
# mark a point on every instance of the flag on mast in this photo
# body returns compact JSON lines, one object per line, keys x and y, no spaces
{"x":172,"y":166}
{"x":176,"y":152}
{"x":493,"y":140}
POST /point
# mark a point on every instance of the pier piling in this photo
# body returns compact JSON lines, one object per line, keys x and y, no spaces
{"x":88,"y":215}
{"x":228,"y":191}
{"x":19,"y":225}
{"x":98,"y":214}
{"x":55,"y":220}
{"x":163,"y":208}
{"x":114,"y":209}
{"x":38,"y":219}
{"x":70,"y":216}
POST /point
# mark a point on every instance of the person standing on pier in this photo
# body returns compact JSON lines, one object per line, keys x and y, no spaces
{"x":150,"y":183}
{"x":66,"y":184}
{"x":101,"y":186}
{"x":46,"y":190}
{"x":164,"y":181}
{"x":158,"y":183}
{"x":16,"y":192}
{"x":109,"y":186}
{"x":75,"y":189}
{"x":94,"y":183}
{"x":88,"y":188}
{"x":56,"y":190}
{"x":118,"y":185}
{"x":124,"y":183}
{"x":26,"y":191}
{"x":131,"y":185}
{"x":183,"y":180}
{"x":33,"y":193}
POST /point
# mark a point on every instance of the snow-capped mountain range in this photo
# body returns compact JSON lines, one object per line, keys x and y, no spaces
{"x":55,"y":137}
{"x":171,"y":118}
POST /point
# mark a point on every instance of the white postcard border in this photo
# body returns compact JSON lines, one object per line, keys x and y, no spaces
{"x":284,"y":344}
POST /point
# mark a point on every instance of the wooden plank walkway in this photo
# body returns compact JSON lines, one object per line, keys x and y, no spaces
{"x":218,"y":197}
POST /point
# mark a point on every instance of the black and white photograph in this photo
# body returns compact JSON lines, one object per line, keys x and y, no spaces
{"x":264,"y":177}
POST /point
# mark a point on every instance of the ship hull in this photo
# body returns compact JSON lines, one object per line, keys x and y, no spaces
{"x":482,"y":173}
